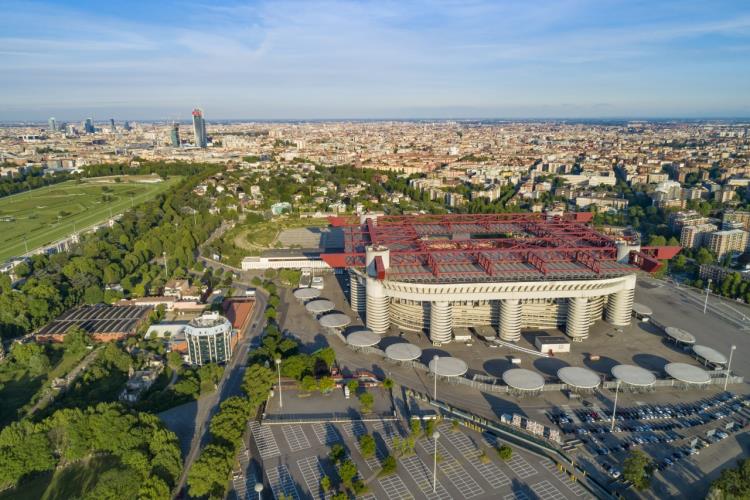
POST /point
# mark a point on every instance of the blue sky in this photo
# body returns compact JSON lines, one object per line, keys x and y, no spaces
{"x":358,"y":59}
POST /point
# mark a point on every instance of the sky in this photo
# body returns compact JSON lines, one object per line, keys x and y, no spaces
{"x":282,"y":59}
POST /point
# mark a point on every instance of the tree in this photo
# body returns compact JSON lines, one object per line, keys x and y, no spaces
{"x":208,"y":475}
{"x":505,"y":452}
{"x":337,"y":453}
{"x":309,"y":384}
{"x":326,"y":385}
{"x":257,"y":383}
{"x":416,"y":427}
{"x":30,"y":356}
{"x":635,"y":469}
{"x":389,"y":466}
{"x":732,"y":483}
{"x":704,"y":256}
{"x":76,"y":339}
{"x":366,"y":400}
{"x":353,"y":385}
{"x":325,"y":484}
{"x":174,"y":360}
{"x":367,"y":445}
{"x":388,"y":383}
{"x":209,"y":374}
{"x":347,"y":472}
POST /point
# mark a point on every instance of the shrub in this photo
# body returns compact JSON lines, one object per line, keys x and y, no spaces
{"x":505,"y":452}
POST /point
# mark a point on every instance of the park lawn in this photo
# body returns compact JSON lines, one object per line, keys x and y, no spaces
{"x":72,"y":481}
{"x":47,"y":214}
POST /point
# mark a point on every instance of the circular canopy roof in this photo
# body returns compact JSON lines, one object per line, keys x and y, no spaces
{"x":363,"y":338}
{"x":633,"y":375}
{"x":319,"y":306}
{"x":680,"y":335}
{"x":710,"y":354}
{"x":306,"y":293}
{"x":403,"y":352}
{"x":642,"y":309}
{"x":335,"y":320}
{"x":449,"y":367}
{"x":577,"y":376}
{"x":523,"y":379}
{"x":687,"y":373}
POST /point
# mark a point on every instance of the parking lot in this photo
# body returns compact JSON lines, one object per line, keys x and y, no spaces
{"x":672,"y":434}
{"x":295,"y":458}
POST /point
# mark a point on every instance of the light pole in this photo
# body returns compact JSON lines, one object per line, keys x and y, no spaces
{"x":435,"y":436}
{"x":166,"y":269}
{"x":614,"y":409}
{"x":278,"y":368}
{"x":435,"y":359}
{"x":708,"y":290}
{"x":258,"y":489}
{"x":729,"y":366}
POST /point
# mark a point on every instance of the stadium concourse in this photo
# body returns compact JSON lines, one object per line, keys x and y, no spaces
{"x":507,"y":272}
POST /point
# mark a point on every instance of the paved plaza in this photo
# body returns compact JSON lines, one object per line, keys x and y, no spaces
{"x":295,"y":458}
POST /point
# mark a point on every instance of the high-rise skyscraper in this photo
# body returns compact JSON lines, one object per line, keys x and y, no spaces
{"x":52,"y":124}
{"x":126,"y":126}
{"x":88,"y":126}
{"x":175,"y":135}
{"x":199,"y":128}
{"x":112,"y":125}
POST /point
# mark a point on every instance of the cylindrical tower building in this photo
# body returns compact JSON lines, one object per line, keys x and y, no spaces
{"x":510,"y":320}
{"x":577,"y":325}
{"x":377,"y":317}
{"x":620,"y":307}
{"x":441,"y":322}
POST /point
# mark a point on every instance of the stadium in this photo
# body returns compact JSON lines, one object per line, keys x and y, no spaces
{"x":492,"y":272}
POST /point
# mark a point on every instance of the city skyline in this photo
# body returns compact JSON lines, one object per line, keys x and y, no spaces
{"x":358,"y":60}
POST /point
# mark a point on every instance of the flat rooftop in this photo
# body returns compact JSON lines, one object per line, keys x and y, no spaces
{"x":98,"y":319}
{"x":482,"y":247}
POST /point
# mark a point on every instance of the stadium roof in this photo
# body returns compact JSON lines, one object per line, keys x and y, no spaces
{"x":686,"y":373}
{"x":579,"y":377}
{"x":320,"y":306}
{"x":335,"y":320}
{"x":98,"y":319}
{"x":679,"y":335}
{"x":306,"y":293}
{"x":633,"y":375}
{"x":482,"y":247}
{"x":363,"y":338}
{"x":403,"y":351}
{"x":523,"y":379}
{"x":448,"y":366}
{"x":710,"y":354}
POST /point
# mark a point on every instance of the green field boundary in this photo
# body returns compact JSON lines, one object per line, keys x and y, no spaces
{"x":81,"y":221}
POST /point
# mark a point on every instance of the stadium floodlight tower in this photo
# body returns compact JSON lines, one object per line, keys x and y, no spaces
{"x":508,"y":272}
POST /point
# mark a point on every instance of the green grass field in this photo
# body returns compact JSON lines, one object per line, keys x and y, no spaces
{"x":45,"y":215}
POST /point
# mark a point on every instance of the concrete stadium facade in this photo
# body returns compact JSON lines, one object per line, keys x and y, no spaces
{"x":509,"y":307}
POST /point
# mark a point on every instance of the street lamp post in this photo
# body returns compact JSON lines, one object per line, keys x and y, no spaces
{"x":278,"y":368}
{"x":708,"y":290}
{"x":258,"y":489}
{"x":435,"y":358}
{"x":435,"y":436}
{"x":729,"y":366}
{"x":614,"y":408}
{"x":166,"y":269}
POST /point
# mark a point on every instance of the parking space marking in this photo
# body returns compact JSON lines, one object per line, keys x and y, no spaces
{"x":265,"y":441}
{"x":421,"y":475}
{"x":354,"y":429}
{"x":546,"y":491}
{"x":326,"y":434}
{"x":282,"y":482}
{"x":517,"y":495}
{"x":576,"y":488}
{"x":394,"y":488}
{"x":295,"y":437}
{"x":387,"y":431}
{"x":489,"y":439}
{"x":453,"y":470}
{"x":489,"y":470}
{"x":520,"y":466}
{"x":312,"y":473}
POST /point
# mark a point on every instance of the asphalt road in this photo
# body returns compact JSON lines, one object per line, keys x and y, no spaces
{"x":229,"y":385}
